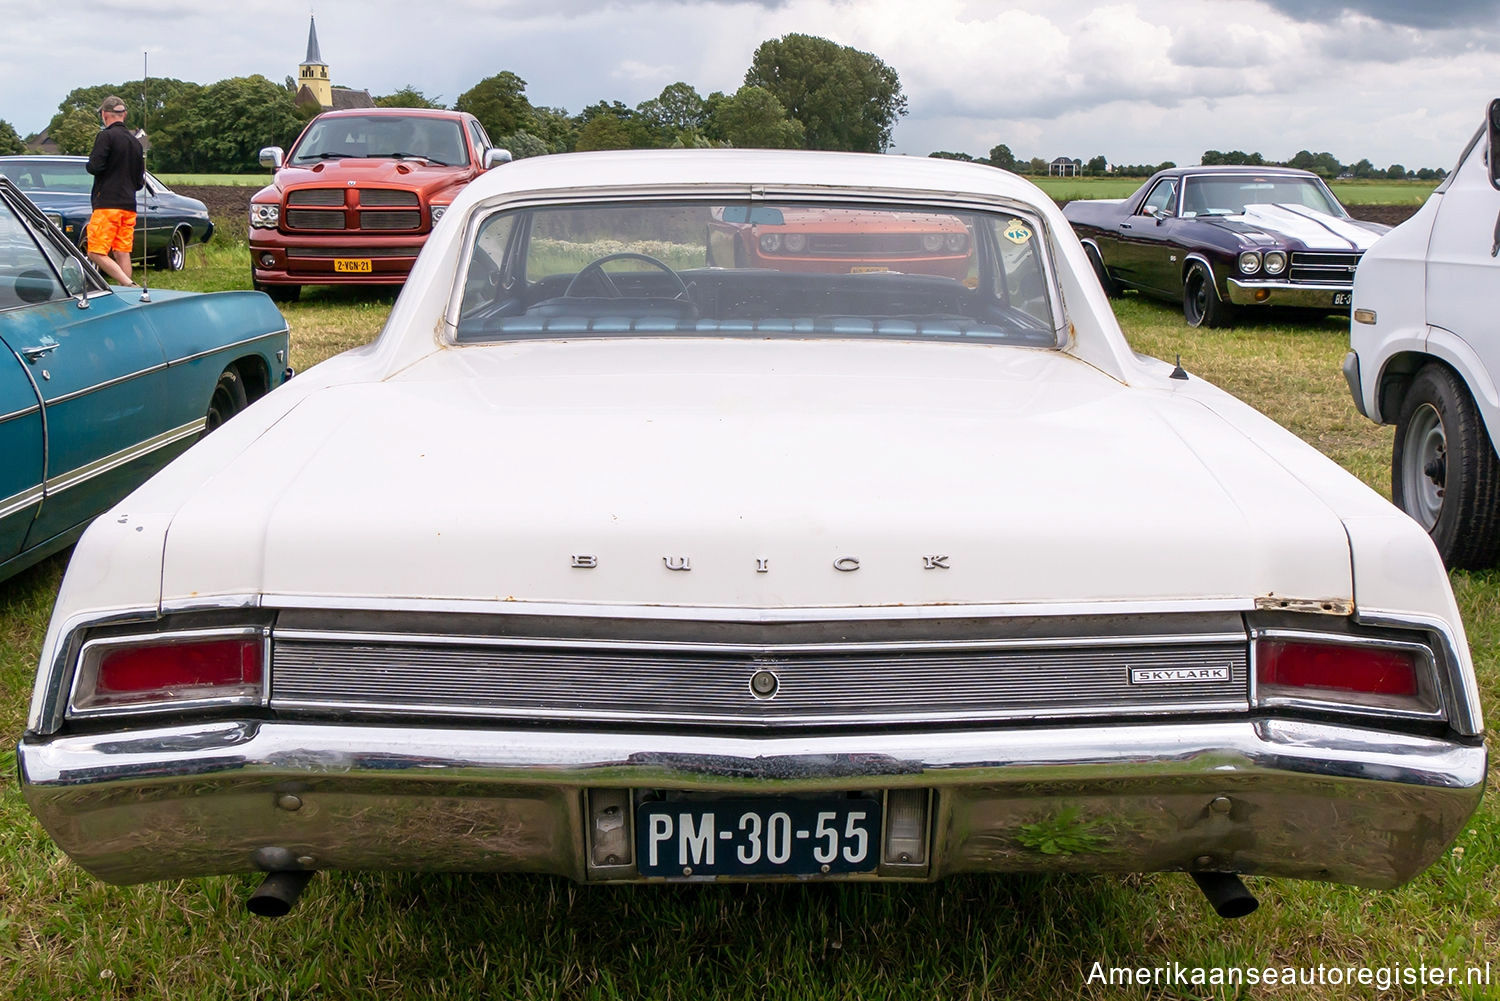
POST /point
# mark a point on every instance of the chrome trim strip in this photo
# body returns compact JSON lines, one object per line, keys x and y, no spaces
{"x":117,"y":380}
{"x":72,"y":478}
{"x":1088,"y":713}
{"x":429,"y":639}
{"x":739,"y":613}
{"x":25,"y":412}
{"x":19,"y":502}
{"x":228,"y":347}
{"x":1285,"y":294}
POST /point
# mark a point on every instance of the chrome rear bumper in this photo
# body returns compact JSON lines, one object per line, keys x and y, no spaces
{"x":1274,"y":797}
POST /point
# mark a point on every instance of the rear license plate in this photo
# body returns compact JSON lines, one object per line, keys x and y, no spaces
{"x":347,"y":265}
{"x":1343,"y":298}
{"x":757,"y":837}
{"x":865,"y":269}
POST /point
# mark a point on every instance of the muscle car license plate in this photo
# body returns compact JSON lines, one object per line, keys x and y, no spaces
{"x":864,"y":269}
{"x":351,"y":265}
{"x":1343,"y":298}
{"x":757,"y":837}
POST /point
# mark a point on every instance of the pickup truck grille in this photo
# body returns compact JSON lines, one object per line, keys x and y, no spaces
{"x":387,"y":219}
{"x":1323,"y":269}
{"x":716,"y":684}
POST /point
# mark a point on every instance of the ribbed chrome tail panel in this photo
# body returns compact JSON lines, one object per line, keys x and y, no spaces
{"x":759,"y":684}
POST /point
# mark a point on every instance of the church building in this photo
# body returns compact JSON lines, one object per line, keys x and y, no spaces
{"x":314,"y":85}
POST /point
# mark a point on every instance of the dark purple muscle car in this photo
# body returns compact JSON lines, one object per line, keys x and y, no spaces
{"x":1219,"y":238}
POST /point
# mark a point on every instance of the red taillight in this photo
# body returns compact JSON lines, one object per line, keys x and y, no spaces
{"x":1337,"y":667}
{"x":175,"y":669}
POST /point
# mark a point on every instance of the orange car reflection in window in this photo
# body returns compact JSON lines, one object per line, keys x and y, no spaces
{"x":829,"y":240}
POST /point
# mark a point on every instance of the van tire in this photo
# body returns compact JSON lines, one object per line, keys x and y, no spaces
{"x":1444,"y":471}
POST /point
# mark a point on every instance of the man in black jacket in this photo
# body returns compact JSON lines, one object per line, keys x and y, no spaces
{"x":119,"y":169}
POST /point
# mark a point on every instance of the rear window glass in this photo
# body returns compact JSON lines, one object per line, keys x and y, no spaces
{"x":760,"y":268}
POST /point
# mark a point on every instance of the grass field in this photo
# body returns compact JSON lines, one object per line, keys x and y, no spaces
{"x":64,"y":935}
{"x":1065,"y":189}
{"x":237,"y":180}
{"x":1060,"y":188}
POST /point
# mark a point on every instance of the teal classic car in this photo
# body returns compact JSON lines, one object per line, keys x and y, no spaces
{"x":101,"y":386}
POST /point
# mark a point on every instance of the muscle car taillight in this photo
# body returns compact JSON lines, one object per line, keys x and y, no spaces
{"x":1346,"y":672}
{"x":168,"y":670}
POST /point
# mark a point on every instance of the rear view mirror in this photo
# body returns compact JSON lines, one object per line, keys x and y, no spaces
{"x":1492,"y":134}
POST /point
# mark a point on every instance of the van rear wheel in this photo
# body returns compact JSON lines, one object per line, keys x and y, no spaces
{"x":1444,"y":471}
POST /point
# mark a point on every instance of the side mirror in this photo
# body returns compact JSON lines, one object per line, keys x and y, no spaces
{"x":1161,"y":214}
{"x":72,"y":277}
{"x":1492,"y":134}
{"x":495,"y":156}
{"x":272,"y":157}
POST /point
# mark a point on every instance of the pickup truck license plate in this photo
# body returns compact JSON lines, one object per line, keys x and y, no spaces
{"x":757,"y":837}
{"x":348,"y":265}
{"x":1343,"y":298}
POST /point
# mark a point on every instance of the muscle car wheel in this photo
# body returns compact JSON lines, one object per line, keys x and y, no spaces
{"x":1444,"y":472}
{"x":229,"y":399}
{"x":173,"y":256}
{"x":1201,"y":305}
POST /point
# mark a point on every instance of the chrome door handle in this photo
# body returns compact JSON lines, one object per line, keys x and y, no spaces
{"x":38,"y":351}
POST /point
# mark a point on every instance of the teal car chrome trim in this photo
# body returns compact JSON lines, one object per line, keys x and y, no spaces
{"x":19,"y":502}
{"x":105,"y":385}
{"x":114,"y":460}
{"x":284,"y":331}
{"x":24,"y":412}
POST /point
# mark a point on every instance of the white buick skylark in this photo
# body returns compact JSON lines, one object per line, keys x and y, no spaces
{"x":723,"y":515}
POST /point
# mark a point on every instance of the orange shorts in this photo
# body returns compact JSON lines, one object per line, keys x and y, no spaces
{"x":111,"y":229}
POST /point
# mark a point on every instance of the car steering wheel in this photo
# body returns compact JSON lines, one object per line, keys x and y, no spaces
{"x":610,"y":288}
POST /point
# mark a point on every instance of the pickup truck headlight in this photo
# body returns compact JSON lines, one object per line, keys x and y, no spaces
{"x":1249,"y":262}
{"x":436,"y":211}
{"x":264,"y":215}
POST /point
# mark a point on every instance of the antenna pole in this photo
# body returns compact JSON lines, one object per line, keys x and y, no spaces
{"x":145,"y":216}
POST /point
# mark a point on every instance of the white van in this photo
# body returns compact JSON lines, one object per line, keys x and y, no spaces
{"x":1425,"y":335}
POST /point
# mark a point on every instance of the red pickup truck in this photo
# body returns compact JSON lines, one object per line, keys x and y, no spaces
{"x":358,"y":194}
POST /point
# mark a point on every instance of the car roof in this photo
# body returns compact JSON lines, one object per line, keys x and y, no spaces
{"x":1237,"y":168}
{"x":736,"y":168}
{"x":393,"y":113}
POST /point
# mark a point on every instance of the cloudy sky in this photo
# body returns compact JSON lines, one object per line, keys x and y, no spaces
{"x":1397,"y":81}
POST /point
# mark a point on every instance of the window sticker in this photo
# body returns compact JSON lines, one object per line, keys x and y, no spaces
{"x":1017,"y":232}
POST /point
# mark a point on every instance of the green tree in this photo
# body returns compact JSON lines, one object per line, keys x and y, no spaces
{"x":677,"y":113}
{"x":521,"y":144}
{"x":1002,"y":157}
{"x":845,"y":99}
{"x":74,"y":131}
{"x":604,"y":132}
{"x":500,"y":104}
{"x":1036,"y":165}
{"x":407,"y":97}
{"x":1396,"y":172}
{"x":943,"y":154}
{"x":1097,"y":164}
{"x":10,"y":143}
{"x":754,"y":119}
{"x":228,"y":124}
{"x":555,"y":127}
